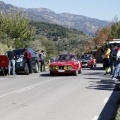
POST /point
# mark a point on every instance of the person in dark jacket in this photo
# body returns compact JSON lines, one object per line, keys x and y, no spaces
{"x":42,"y":60}
{"x":113,"y":57}
{"x":11,"y":56}
{"x":28,"y":57}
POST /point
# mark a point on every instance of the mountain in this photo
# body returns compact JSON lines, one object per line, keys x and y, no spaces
{"x":82,"y":23}
{"x":79,"y":22}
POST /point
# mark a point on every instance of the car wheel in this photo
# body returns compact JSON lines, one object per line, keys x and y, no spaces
{"x":75,"y":73}
{"x":26,"y":69}
{"x":92,"y":66}
{"x":80,"y":71}
{"x":95,"y":65}
{"x":36,"y":68}
{"x":4,"y":71}
{"x":51,"y":73}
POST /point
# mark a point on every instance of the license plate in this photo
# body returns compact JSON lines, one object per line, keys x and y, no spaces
{"x":61,"y":71}
{"x":84,"y":64}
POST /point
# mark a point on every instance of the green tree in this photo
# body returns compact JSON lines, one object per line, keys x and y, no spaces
{"x":16,"y":27}
{"x":115,"y":30}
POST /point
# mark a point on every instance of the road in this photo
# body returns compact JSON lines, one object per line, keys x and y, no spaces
{"x":40,"y":96}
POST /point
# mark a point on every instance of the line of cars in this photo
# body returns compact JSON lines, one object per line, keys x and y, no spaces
{"x":61,"y":64}
{"x":70,"y":63}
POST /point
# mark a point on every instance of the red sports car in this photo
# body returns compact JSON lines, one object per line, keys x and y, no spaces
{"x":64,"y":64}
{"x":88,"y":60}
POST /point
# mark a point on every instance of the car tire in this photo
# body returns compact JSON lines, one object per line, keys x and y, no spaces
{"x":26,"y":69}
{"x":75,"y":73}
{"x":92,"y":66}
{"x":95,"y":65}
{"x":51,"y":73}
{"x":80,"y":71}
{"x":36,"y":68}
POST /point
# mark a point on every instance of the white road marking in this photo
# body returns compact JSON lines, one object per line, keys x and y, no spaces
{"x":28,"y":88}
{"x":95,"y":118}
{"x":7,"y":94}
{"x":25,"y":89}
{"x":105,"y":101}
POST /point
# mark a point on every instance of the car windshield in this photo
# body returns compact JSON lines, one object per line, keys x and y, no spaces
{"x":65,"y":57}
{"x":86,"y":57}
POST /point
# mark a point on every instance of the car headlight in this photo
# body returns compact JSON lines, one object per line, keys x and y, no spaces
{"x":19,"y":60}
{"x":53,"y":67}
{"x":68,"y":67}
{"x":65,"y":67}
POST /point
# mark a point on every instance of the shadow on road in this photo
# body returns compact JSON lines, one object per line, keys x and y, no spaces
{"x":93,"y":73}
{"x":101,"y":85}
{"x":98,"y":83}
{"x":44,"y":74}
{"x":108,"y":112}
{"x":95,"y":68}
{"x":56,"y":75}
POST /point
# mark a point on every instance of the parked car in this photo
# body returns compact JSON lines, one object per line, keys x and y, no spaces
{"x":21,"y":65}
{"x":64,"y":64}
{"x":52,"y":59}
{"x":88,"y":60}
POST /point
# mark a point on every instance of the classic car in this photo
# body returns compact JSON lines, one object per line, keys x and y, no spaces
{"x":88,"y":60}
{"x":65,"y":64}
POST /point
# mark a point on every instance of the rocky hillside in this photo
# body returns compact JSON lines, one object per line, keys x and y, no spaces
{"x":82,"y":23}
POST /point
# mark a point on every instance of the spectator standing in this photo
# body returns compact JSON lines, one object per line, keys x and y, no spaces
{"x":38,"y":57}
{"x":42,"y":60}
{"x":11,"y":56}
{"x":113,"y":58}
{"x":28,"y":58}
{"x":103,"y":57}
{"x":107,"y":60}
{"x":117,"y":65}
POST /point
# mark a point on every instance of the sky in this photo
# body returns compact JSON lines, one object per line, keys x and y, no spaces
{"x":98,"y":9}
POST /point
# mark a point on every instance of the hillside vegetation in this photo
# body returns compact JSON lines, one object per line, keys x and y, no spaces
{"x":64,"y":39}
{"x":16,"y":31}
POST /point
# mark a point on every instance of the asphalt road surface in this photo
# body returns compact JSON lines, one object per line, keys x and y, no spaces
{"x":39,"y":96}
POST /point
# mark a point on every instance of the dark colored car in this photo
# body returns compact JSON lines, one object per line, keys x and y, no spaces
{"x":65,"y":64}
{"x":52,"y":59}
{"x":88,"y":60}
{"x":21,"y":65}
